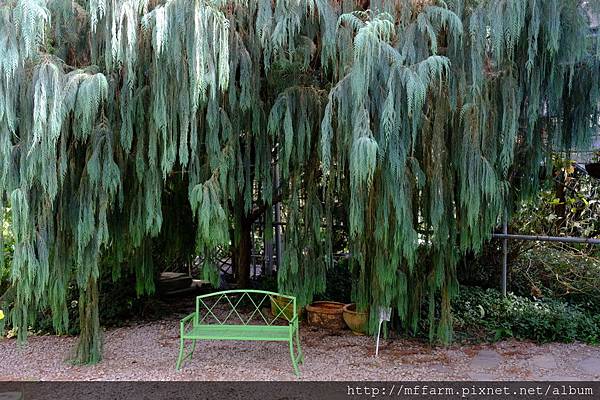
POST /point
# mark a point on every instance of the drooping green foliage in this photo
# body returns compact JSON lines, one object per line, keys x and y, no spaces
{"x":424,"y":118}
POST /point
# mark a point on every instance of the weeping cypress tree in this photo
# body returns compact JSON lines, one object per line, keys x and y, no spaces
{"x":424,"y":118}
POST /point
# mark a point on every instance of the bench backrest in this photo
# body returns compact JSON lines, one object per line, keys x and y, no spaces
{"x":255,"y":300}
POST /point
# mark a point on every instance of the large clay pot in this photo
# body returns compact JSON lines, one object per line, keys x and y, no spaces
{"x":283,"y":303}
{"x":326,"y":314}
{"x":356,"y":321}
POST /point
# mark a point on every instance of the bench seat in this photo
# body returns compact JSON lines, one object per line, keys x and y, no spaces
{"x":239,"y":332}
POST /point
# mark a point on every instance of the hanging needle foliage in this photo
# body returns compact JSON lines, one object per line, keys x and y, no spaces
{"x":423,"y":118}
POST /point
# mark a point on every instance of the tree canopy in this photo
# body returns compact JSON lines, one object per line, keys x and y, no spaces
{"x":425,"y":119}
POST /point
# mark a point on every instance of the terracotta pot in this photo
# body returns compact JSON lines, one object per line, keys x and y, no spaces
{"x":326,"y":314}
{"x":288,"y":309}
{"x":356,"y":321}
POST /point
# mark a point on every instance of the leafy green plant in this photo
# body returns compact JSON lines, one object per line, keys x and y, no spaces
{"x":486,"y":315}
{"x":267,"y":282}
{"x":566,"y":205}
{"x":338,"y":282}
{"x":6,"y":256}
{"x":569,"y":273}
{"x":8,"y":243}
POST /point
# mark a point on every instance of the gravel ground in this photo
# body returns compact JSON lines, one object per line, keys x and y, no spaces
{"x":148,"y":351}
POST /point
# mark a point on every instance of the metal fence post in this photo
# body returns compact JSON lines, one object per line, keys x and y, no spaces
{"x":504,"y":253}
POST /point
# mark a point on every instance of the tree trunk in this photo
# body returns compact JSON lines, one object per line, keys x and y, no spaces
{"x":89,"y":348}
{"x":241,"y":250}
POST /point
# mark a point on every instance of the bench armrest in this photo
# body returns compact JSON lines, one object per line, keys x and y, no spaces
{"x":186,"y":321}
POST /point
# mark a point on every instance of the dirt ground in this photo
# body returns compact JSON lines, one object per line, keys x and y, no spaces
{"x":148,"y":351}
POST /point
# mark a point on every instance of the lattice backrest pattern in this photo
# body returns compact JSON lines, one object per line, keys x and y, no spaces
{"x":245,"y":307}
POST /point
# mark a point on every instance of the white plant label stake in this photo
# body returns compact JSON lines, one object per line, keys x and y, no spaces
{"x":385,"y":314}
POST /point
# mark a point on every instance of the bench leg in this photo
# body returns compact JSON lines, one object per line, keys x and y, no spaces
{"x":193,"y":348}
{"x":180,"y":359}
{"x":182,"y":355}
{"x":300,"y":355}
{"x":293,"y":356}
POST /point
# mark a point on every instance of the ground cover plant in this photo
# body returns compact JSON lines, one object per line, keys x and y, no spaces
{"x":484,"y":314}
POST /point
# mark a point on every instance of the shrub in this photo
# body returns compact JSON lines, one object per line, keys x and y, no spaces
{"x":486,"y":314}
{"x":6,"y":257}
{"x":338,"y":283}
{"x":561,"y":272}
{"x":566,"y":205}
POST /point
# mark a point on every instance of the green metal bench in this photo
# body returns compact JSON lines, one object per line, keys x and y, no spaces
{"x":204,"y":324}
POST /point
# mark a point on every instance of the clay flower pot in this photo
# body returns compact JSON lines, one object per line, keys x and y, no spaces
{"x":356,"y":321}
{"x":283,"y":303}
{"x":326,"y":314}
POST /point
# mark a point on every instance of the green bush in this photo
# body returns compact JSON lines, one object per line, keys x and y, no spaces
{"x":338,"y":283}
{"x":561,"y":272}
{"x":6,"y":257}
{"x":568,"y":204}
{"x":487,"y":315}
